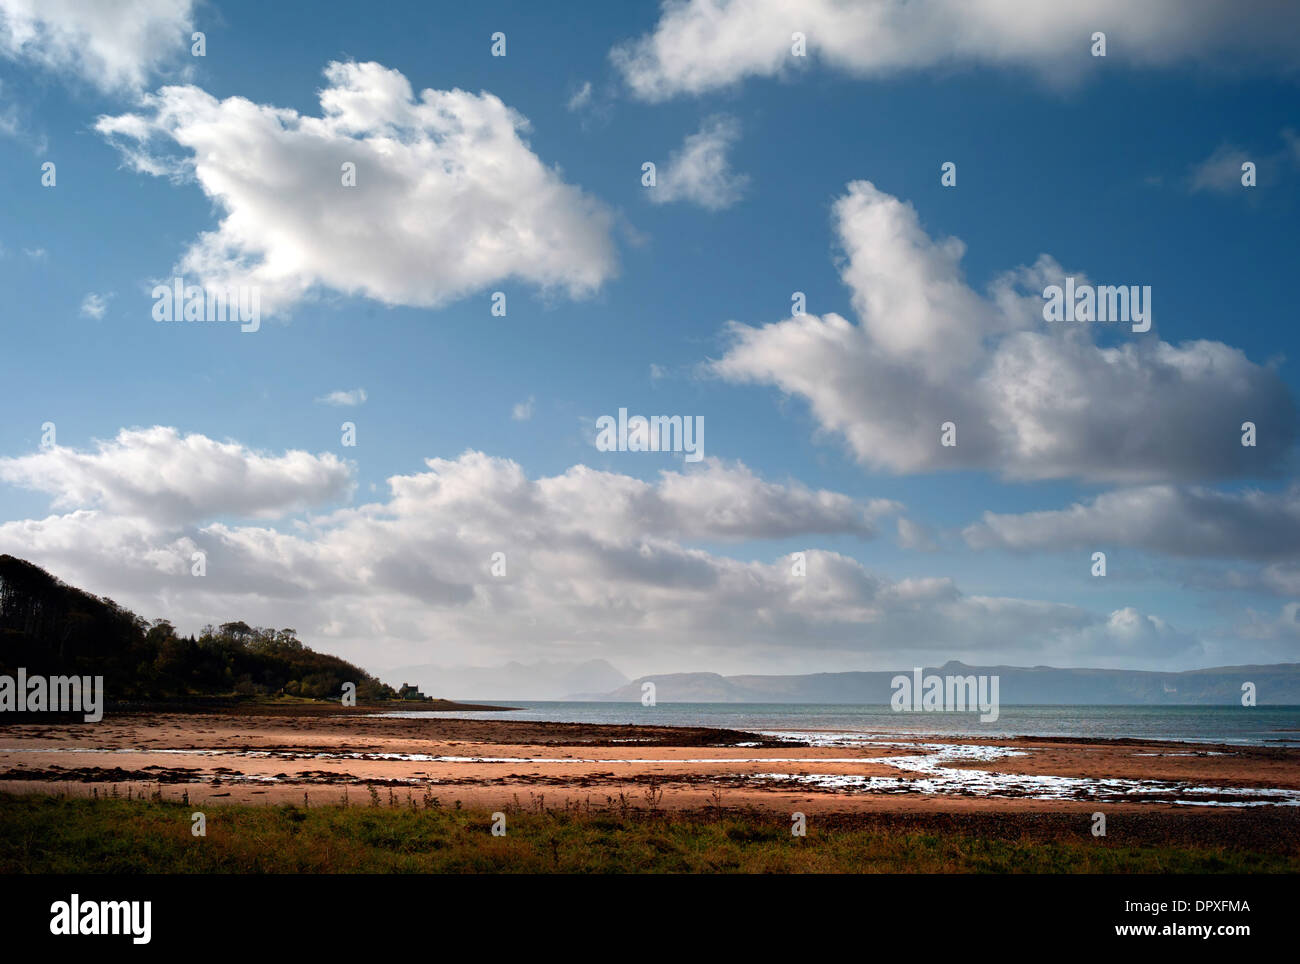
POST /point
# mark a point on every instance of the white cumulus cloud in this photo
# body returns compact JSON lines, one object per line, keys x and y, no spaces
{"x":112,"y":44}
{"x":448,"y":198}
{"x":1188,"y":521}
{"x":1030,"y":399}
{"x":702,"y":45}
{"x":595,"y":563}
{"x":159,"y":475}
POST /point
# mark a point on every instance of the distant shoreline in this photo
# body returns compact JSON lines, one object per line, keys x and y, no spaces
{"x":1235,"y":725}
{"x":258,"y":706}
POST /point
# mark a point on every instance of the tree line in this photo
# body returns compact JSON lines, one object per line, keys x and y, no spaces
{"x":49,"y":627}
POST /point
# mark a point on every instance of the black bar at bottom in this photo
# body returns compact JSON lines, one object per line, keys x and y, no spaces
{"x":390,"y":914}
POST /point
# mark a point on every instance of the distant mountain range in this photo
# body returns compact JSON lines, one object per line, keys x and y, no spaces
{"x":1277,"y":684}
{"x":48,"y":626}
{"x":514,"y":681}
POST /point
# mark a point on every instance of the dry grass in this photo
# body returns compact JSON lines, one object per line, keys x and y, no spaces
{"x":45,"y":834}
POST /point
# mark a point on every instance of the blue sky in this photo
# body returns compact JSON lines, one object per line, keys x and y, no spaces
{"x":1114,"y":167}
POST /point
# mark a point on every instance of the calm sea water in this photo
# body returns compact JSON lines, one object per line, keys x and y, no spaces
{"x":1259,"y":725}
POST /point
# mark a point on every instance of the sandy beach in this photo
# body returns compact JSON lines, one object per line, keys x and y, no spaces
{"x":290,"y":755}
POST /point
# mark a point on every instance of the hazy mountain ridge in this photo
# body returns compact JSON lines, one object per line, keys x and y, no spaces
{"x":546,"y":680}
{"x":1275,"y":684}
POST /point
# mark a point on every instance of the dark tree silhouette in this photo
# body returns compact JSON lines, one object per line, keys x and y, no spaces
{"x":49,"y":627}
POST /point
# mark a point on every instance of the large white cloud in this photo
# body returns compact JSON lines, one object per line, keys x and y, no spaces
{"x":1030,"y":399}
{"x":595,"y":564}
{"x":112,"y":44}
{"x":1191,"y":522}
{"x":448,"y":197}
{"x":702,"y":45}
{"x":157,"y":474}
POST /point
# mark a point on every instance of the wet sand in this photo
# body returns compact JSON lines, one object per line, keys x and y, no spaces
{"x":288,"y":756}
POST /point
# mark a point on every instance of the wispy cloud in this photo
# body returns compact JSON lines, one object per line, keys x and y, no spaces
{"x":348,"y":399}
{"x":94,"y":305}
{"x":1224,"y":170}
{"x":700,"y":172}
{"x":581,"y":98}
{"x":1221,"y":172}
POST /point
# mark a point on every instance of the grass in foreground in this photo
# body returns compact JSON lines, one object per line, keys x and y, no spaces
{"x":44,"y":834}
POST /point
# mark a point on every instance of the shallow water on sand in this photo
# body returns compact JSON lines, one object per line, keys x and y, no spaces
{"x":929,"y":770}
{"x":1255,"y":726}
